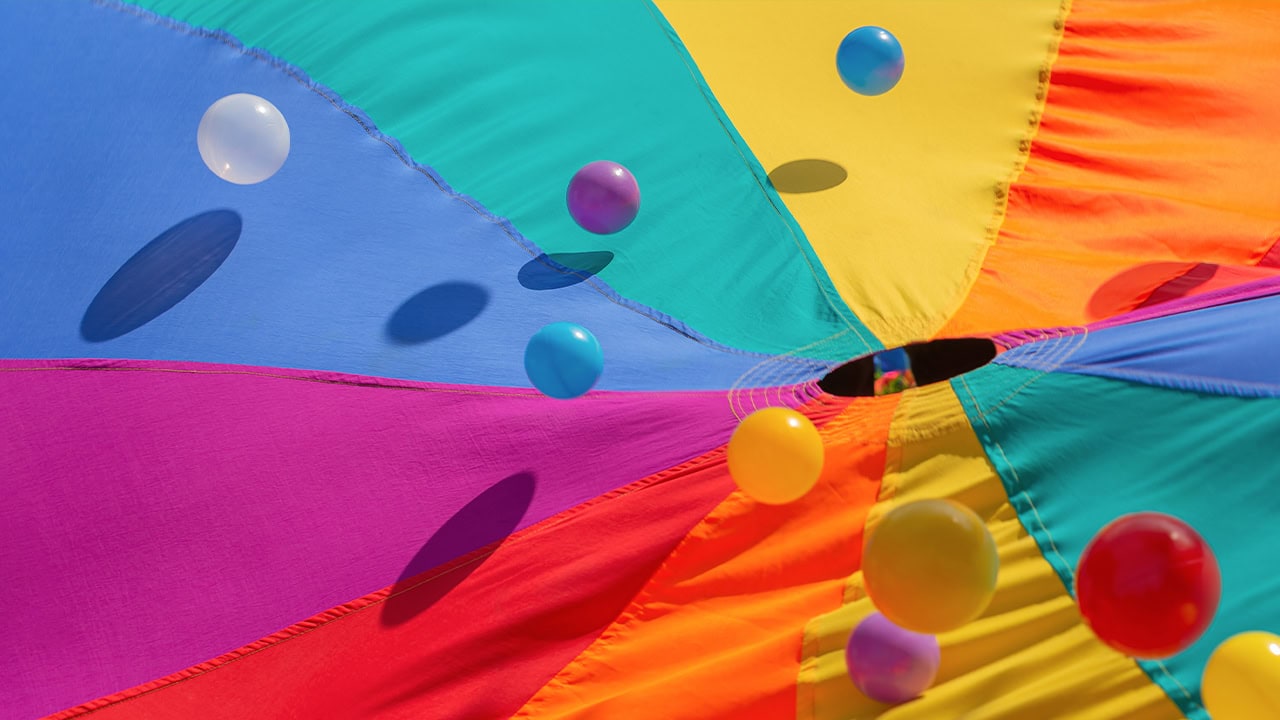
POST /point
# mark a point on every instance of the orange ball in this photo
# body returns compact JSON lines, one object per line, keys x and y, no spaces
{"x":930,"y":566}
{"x":775,"y":455}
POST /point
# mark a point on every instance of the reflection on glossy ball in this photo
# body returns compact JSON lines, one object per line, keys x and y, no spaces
{"x":775,"y":455}
{"x":1242,"y":678}
{"x":1148,"y":585}
{"x":930,"y":565}
{"x":243,"y":139}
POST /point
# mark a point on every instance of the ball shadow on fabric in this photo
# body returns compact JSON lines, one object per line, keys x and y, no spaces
{"x":459,"y":547}
{"x":436,"y":312}
{"x":1132,"y":290}
{"x":807,"y":176}
{"x":161,"y":275}
{"x":560,"y":270}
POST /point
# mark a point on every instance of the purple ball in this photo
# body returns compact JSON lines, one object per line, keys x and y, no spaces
{"x":603,"y":197}
{"x":890,"y":664}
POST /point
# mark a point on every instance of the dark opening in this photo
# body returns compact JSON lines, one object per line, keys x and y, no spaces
{"x":929,"y":362}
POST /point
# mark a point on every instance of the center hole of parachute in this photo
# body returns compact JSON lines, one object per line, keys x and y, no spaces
{"x":897,"y":369}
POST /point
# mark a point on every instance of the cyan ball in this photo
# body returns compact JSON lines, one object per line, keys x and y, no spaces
{"x":563,"y":360}
{"x":870,"y":60}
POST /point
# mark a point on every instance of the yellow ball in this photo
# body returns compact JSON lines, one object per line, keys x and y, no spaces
{"x":930,"y":566}
{"x":775,"y":455}
{"x":1242,"y":678}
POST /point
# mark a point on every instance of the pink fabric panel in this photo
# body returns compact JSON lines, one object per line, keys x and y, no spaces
{"x":159,"y":514}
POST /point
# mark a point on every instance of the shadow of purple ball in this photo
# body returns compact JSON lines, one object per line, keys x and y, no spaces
{"x":603,"y":197}
{"x":890,"y":664}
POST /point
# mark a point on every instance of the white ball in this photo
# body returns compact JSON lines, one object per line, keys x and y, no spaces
{"x":243,"y":139}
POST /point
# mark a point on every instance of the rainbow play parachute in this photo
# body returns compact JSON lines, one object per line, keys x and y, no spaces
{"x":270,"y":450}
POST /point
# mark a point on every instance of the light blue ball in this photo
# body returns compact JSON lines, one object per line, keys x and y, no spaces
{"x":870,"y":60}
{"x":563,"y":360}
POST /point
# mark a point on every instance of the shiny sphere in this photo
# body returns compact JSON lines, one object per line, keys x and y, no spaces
{"x":930,"y":565}
{"x":870,"y":61}
{"x":890,"y":664}
{"x":1148,"y":585}
{"x":243,"y":139}
{"x":563,"y":360}
{"x":775,"y":455}
{"x":603,"y":197}
{"x":1242,"y":678}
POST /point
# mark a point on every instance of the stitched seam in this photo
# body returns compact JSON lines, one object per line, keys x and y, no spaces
{"x":991,"y":234}
{"x":1068,"y":350}
{"x":372,"y":384}
{"x":639,"y":607}
{"x":770,"y":375}
{"x":1244,"y":292}
{"x":1069,"y":579}
{"x":1193,"y":383}
{"x":532,"y":531}
{"x":717,"y":111}
{"x":370,"y":128}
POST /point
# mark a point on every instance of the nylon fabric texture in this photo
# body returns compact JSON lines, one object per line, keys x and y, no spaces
{"x":348,"y":259}
{"x":1154,"y":148}
{"x":1028,"y":656}
{"x":756,"y":572}
{"x":1221,"y":350}
{"x":273,"y":473}
{"x":1075,"y":452}
{"x":925,"y":167}
{"x":271,"y":451}
{"x":490,"y":611}
{"x":520,"y":110}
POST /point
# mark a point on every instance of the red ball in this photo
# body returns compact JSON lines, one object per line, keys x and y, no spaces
{"x":1148,"y":585}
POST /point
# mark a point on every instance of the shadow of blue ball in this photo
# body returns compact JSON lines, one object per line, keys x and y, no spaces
{"x":436,"y":312}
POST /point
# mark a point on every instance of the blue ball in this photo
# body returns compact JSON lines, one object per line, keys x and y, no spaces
{"x":563,"y":360}
{"x":870,"y":60}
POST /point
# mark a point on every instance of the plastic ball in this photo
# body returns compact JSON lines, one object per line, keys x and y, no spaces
{"x":563,"y":360}
{"x":1242,"y":679}
{"x":1148,"y":585}
{"x":870,"y":60}
{"x":930,"y":565}
{"x":603,"y":197}
{"x":775,"y":455}
{"x":890,"y":664}
{"x":243,"y":139}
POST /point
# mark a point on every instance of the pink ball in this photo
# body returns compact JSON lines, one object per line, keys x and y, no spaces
{"x":890,"y":664}
{"x":603,"y":197}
